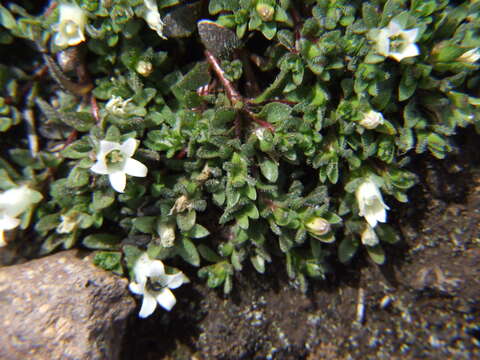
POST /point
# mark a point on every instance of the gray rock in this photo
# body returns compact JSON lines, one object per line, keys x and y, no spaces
{"x":62,"y":307}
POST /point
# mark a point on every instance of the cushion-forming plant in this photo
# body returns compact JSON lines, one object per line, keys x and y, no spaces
{"x":224,"y":133}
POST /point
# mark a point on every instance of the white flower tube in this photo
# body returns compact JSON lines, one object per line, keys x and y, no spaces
{"x":70,"y":26}
{"x":370,"y":203}
{"x":154,"y":285}
{"x":397,"y":43}
{"x":13,"y":202}
{"x":115,"y":160}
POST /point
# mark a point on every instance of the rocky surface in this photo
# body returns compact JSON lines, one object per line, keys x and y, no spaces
{"x":424,"y":303}
{"x":62,"y":307}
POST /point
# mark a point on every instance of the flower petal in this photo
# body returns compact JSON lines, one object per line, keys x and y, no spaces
{"x":410,"y":51}
{"x":383,"y":43}
{"x":176,"y":280}
{"x":149,"y":304}
{"x":394,"y":28}
{"x":136,"y":288}
{"x":107,"y":146}
{"x":371,"y":219}
{"x":128,"y":147}
{"x":118,"y":180}
{"x":156,"y":269}
{"x":16,"y":200}
{"x":100,"y":167}
{"x":135,"y":168}
{"x":8,"y":223}
{"x":410,"y":35}
{"x":166,"y":299}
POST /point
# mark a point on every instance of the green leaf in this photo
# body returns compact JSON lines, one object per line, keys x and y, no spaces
{"x":188,"y":252}
{"x":258,"y":263}
{"x":81,"y":121}
{"x":102,"y":241}
{"x":347,"y":249}
{"x":186,"y":220}
{"x":370,"y":15}
{"x":109,"y":260}
{"x":78,"y":177}
{"x":269,"y":169}
{"x":6,"y":19}
{"x":198,"y":232}
{"x":208,"y":254}
{"x":145,"y":224}
{"x":131,"y":253}
{"x":102,"y":200}
{"x":408,"y":85}
{"x":47,"y":223}
{"x":377,"y":254}
{"x":387,"y":234}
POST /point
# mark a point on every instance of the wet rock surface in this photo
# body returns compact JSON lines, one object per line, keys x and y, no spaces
{"x":62,"y":307}
{"x":424,"y":303}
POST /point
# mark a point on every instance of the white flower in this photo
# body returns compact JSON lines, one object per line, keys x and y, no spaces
{"x":470,"y":56}
{"x":370,"y":203}
{"x":70,"y":26}
{"x":152,"y":17}
{"x":152,"y":282}
{"x":397,"y":43}
{"x":116,"y":161}
{"x":13,"y":202}
{"x":372,"y":119}
{"x":116,"y":105}
{"x":369,"y":237}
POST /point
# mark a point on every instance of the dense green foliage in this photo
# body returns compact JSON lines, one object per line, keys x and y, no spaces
{"x":258,"y":163}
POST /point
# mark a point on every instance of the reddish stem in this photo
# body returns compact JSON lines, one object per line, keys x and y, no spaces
{"x":232,"y":94}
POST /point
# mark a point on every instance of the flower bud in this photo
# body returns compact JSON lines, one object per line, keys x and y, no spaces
{"x":265,"y":11}
{"x":318,"y":226}
{"x":369,"y":237}
{"x":372,"y":119}
{"x":144,"y":68}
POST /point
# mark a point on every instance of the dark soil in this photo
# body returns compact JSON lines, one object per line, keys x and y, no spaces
{"x":424,"y":303}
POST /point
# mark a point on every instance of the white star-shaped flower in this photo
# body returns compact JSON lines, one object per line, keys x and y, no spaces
{"x":115,"y":160}
{"x":370,"y":203}
{"x":397,"y":43}
{"x":154,"y":284}
{"x":372,"y":119}
{"x":13,"y":202}
{"x":70,"y":26}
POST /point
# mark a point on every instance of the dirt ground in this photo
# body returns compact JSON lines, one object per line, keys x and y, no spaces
{"x":424,"y":303}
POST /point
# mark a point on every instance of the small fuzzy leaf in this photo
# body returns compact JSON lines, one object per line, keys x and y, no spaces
{"x":377,"y":254}
{"x":102,"y":241}
{"x":269,"y":169}
{"x":186,"y":220}
{"x":188,"y":252}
